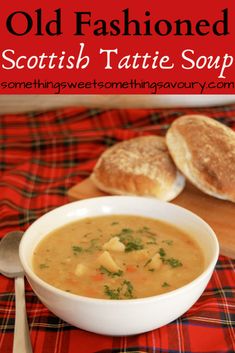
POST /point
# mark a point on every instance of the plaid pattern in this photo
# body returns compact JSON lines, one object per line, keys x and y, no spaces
{"x":41,"y":156}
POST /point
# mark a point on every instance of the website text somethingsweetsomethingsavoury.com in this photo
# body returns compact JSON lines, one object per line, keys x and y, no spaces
{"x":151,"y":87}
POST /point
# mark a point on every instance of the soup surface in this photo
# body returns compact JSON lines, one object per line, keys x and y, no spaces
{"x":118,"y":257}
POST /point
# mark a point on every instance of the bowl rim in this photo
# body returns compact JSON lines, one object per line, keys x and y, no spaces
{"x":31,"y":274}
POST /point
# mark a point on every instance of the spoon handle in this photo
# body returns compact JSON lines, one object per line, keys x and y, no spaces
{"x":21,"y":343}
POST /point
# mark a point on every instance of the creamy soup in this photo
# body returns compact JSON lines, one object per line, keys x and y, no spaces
{"x":118,"y":257}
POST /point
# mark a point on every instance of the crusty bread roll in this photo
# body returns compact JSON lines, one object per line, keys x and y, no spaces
{"x":204,"y":151}
{"x":140,"y":166}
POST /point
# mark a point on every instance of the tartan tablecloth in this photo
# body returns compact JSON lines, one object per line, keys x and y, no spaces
{"x":44,"y":154}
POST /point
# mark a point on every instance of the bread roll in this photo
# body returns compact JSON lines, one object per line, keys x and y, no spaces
{"x":204,"y":151}
{"x":140,"y":166}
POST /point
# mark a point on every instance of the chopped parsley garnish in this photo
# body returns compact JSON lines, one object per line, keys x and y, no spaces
{"x":86,"y":235}
{"x":131,"y":242}
{"x":162,"y":252}
{"x":152,"y":240}
{"x":133,"y":245}
{"x":42,"y":266}
{"x":146,"y":230}
{"x":147,"y":262}
{"x":127,"y":230}
{"x":77,"y":249}
{"x":129,"y":289}
{"x":170,"y":261}
{"x":125,"y":291}
{"x":143,"y":229}
{"x":104,"y":271}
{"x":93,"y":246}
{"x":173,"y":262}
{"x":112,"y":293}
{"x":114,"y":223}
{"x":168,"y":241}
{"x":165,"y":284}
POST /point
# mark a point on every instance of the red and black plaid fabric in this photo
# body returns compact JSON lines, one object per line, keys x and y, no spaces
{"x":44,"y":154}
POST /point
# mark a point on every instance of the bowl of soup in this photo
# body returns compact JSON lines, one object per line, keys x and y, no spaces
{"x":119,"y":265}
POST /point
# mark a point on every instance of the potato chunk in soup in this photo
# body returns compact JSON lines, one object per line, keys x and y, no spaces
{"x":118,"y":257}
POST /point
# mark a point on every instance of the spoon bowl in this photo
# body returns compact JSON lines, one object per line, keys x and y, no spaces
{"x":10,"y":266}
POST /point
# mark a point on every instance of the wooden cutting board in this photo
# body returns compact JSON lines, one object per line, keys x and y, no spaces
{"x":220,"y":215}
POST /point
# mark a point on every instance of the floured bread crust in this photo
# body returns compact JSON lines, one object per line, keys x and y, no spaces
{"x":204,"y":151}
{"x":140,"y":166}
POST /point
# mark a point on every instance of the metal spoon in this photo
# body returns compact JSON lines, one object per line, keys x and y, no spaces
{"x":10,"y":266}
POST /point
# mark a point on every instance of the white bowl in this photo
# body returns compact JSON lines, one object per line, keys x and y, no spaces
{"x":120,"y":317}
